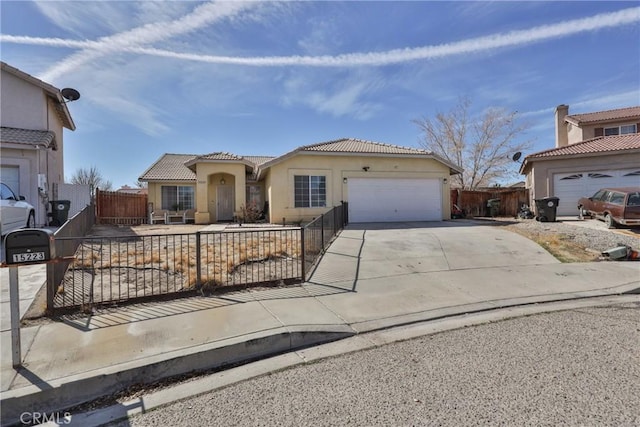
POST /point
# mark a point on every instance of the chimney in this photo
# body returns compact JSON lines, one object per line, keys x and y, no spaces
{"x":562,"y":137}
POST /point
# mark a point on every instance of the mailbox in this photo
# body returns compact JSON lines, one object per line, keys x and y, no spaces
{"x":31,"y":245}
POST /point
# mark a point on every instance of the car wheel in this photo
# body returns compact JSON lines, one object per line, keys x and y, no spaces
{"x":609,"y":222}
{"x":31,"y":221}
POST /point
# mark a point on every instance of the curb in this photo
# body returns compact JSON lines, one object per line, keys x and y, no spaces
{"x":75,"y":390}
{"x":360,"y":342}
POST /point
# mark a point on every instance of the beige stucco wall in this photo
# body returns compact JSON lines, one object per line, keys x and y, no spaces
{"x":26,"y":106}
{"x":578,"y":134}
{"x":539,"y":179}
{"x":280,"y":180}
{"x":208,"y":176}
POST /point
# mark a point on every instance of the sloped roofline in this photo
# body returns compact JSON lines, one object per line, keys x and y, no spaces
{"x":544,"y":154}
{"x":616,"y":115}
{"x":52,"y":91}
{"x":233,"y":158}
{"x":141,"y":177}
{"x":453,"y":169}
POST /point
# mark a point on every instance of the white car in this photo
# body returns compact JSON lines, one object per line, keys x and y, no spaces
{"x":15,"y":213}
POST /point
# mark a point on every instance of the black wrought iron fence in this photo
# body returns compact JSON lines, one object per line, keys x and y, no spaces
{"x":109,"y":270}
{"x":319,"y":233}
{"x":78,"y":225}
{"x":116,"y":269}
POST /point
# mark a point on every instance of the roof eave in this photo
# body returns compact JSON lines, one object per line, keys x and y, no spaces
{"x":527,"y":161}
{"x":453,"y":169}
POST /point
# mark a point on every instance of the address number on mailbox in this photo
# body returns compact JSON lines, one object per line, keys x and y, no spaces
{"x":29,"y":257}
{"x":29,"y":245}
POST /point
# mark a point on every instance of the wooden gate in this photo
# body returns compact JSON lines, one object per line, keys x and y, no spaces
{"x":113,"y":207}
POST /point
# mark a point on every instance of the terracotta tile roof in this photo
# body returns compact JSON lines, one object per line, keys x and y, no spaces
{"x":601,"y":144}
{"x":604,"y":116}
{"x":180,"y":167}
{"x":220,"y":155}
{"x":258,"y":160}
{"x":353,"y":145}
{"x":359,"y":146}
{"x":28,"y":137}
{"x":170,"y":167}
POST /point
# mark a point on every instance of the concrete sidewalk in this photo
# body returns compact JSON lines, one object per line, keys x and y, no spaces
{"x":369,"y":279}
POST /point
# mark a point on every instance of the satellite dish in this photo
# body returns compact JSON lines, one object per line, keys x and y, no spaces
{"x":70,"y":94}
{"x":516,"y":156}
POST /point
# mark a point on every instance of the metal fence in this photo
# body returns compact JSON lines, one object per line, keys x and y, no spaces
{"x":116,"y":269}
{"x":319,"y":233}
{"x":109,"y":270}
{"x":77,"y":225}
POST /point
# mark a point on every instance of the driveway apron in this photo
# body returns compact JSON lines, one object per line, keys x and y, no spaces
{"x":417,"y":270}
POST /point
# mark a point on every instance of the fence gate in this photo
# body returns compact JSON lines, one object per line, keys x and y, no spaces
{"x":113,"y":207}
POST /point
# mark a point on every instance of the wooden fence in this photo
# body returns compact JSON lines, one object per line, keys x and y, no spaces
{"x":474,"y":203}
{"x":113,"y":207}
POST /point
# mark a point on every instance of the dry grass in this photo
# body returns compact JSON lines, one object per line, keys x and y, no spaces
{"x":221,"y":256}
{"x":560,"y":246}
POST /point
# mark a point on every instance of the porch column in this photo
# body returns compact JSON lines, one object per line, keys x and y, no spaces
{"x":202,"y":198}
{"x":241,"y":192}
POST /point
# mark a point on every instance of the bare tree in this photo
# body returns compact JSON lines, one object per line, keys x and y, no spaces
{"x":91,"y":177}
{"x":483,"y":147}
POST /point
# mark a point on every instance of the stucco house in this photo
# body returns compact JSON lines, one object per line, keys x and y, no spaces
{"x":593,"y":150}
{"x":34,"y":114}
{"x":381,"y":182}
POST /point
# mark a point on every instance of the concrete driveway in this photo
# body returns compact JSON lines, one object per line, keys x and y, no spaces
{"x":414,"y":269}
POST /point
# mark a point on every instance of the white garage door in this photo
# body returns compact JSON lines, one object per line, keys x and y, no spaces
{"x":391,"y":200}
{"x":570,"y":187}
{"x":10,"y":175}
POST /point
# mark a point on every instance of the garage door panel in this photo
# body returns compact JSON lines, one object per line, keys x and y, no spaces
{"x":389,"y":200}
{"x":570,"y":187}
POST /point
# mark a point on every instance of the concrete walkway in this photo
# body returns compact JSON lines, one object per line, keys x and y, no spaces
{"x":371,"y":278}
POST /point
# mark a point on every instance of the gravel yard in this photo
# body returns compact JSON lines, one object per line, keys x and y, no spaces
{"x":573,"y":240}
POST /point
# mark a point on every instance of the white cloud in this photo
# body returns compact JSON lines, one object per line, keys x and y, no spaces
{"x":324,"y":37}
{"x":134,"y":41}
{"x":201,"y":16}
{"x":343,"y":98}
{"x":79,"y":17}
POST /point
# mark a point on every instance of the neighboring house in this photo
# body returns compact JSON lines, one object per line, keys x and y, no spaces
{"x":593,"y":150}
{"x":381,"y":182}
{"x":131,"y":190}
{"x":34,"y":114}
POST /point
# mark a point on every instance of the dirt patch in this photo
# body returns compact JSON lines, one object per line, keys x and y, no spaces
{"x":143,"y":230}
{"x":561,"y":246}
{"x":138,"y":262}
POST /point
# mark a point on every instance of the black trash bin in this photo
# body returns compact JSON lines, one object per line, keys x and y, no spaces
{"x":494,"y":206}
{"x":546,"y":209}
{"x":59,"y":212}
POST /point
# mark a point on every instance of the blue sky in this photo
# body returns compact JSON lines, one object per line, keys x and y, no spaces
{"x":262,"y":78}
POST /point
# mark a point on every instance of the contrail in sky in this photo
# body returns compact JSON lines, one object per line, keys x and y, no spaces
{"x":133,"y":42}
{"x":201,"y":16}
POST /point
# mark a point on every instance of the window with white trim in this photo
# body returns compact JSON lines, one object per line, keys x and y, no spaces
{"x":310,"y":191}
{"x":620,"y":130}
{"x":178,"y":197}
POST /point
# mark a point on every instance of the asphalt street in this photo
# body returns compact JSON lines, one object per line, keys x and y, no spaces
{"x":575,"y":367}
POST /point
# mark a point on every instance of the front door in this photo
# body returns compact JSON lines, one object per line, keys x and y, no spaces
{"x":225,"y":203}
